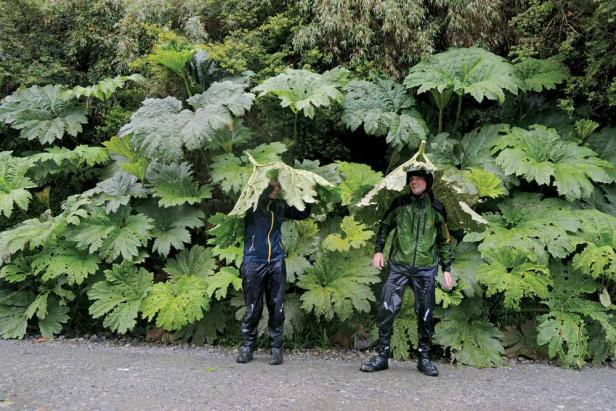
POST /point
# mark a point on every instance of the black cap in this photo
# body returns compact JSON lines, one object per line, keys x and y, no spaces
{"x":426,"y":175}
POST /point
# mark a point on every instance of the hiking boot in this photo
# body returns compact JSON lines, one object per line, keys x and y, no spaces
{"x":425,"y":366}
{"x":276,"y":358}
{"x":377,"y":363}
{"x":245,"y":355}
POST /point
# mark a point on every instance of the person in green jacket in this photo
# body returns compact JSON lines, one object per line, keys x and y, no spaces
{"x":420,"y":242}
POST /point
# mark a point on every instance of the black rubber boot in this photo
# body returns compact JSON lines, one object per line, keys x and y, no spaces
{"x":276,"y":358}
{"x":245,"y":355}
{"x":426,"y":367}
{"x":377,"y":363}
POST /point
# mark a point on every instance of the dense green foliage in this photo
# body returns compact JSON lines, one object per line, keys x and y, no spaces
{"x":121,"y":194}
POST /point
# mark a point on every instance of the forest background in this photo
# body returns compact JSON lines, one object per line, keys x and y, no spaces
{"x":128,"y":130}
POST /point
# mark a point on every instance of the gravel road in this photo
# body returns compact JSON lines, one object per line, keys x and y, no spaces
{"x":81,"y":374}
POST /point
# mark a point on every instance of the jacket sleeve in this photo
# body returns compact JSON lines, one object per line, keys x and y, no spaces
{"x":387,"y":224}
{"x":294,"y":214}
{"x":443,"y":242}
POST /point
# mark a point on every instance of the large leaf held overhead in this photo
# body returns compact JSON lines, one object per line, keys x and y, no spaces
{"x":297,"y":186}
{"x":453,"y":196}
{"x":232,"y":173}
{"x":396,"y":180}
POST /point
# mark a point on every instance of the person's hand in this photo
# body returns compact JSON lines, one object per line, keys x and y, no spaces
{"x":378,"y":261}
{"x":448,"y":281}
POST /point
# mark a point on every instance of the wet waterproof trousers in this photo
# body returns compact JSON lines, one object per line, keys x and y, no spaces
{"x":258,"y":279}
{"x":422,"y":280}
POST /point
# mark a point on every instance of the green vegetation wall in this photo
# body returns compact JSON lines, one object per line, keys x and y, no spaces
{"x":128,"y":130}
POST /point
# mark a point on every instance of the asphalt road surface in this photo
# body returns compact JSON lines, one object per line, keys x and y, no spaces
{"x":81,"y":374}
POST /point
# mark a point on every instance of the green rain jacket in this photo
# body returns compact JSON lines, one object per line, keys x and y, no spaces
{"x":421,"y":238}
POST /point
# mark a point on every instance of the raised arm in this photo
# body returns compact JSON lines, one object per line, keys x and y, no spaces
{"x":294,"y":214}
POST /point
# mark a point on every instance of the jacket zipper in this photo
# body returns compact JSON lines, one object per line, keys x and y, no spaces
{"x":417,"y":235}
{"x":252,"y":247}
{"x":269,"y":243}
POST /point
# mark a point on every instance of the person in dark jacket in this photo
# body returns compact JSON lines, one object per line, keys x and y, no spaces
{"x":421,"y":240}
{"x":263,"y":271}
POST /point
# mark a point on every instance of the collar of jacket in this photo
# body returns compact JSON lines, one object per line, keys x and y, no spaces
{"x":422,"y":196}
{"x":264,"y":201}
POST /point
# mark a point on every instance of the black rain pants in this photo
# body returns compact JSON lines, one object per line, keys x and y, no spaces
{"x":422,"y":280}
{"x":258,"y":279}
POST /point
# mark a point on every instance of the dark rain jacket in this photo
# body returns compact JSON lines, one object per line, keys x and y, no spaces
{"x":262,"y":238}
{"x":421,"y":238}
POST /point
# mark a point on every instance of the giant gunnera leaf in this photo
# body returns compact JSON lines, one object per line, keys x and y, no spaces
{"x":42,"y":113}
{"x":119,"y":297}
{"x":385,"y":109}
{"x":471,"y":339}
{"x":473,"y":71}
{"x":303,"y":91}
{"x":14,"y":183}
{"x":540,"y":155}
{"x":338,"y":284}
{"x":297,"y":186}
